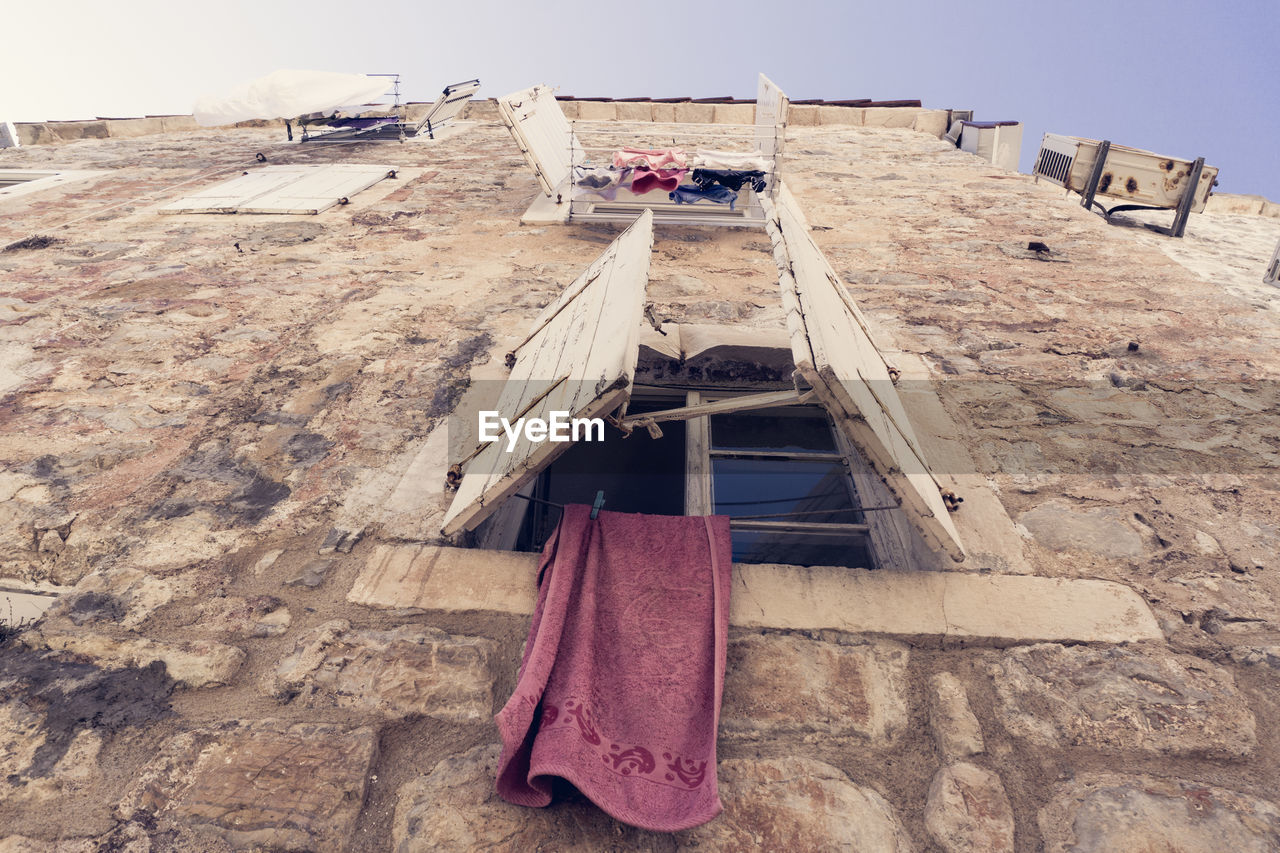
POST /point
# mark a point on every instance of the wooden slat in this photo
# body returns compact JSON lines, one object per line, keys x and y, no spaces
{"x":228,"y":196}
{"x":317,"y":189}
{"x":581,"y":359}
{"x":449,"y":104}
{"x":835,"y":354}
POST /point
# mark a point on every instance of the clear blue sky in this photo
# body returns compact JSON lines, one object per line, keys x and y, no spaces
{"x":1177,"y":77}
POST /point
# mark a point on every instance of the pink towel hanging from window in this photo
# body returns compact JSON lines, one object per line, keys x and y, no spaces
{"x":648,"y":180}
{"x":663,"y":158}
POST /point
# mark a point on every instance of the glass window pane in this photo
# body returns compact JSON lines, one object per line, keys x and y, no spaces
{"x":800,"y":549}
{"x":784,"y":429}
{"x":749,"y":487}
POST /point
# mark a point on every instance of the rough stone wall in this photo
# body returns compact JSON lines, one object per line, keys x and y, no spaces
{"x":206,"y":422}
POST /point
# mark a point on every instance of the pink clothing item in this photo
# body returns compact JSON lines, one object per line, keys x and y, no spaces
{"x":647,"y":180}
{"x":648,"y":158}
{"x":619,"y":690}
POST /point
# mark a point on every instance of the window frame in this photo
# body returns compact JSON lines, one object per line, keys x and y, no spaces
{"x":39,"y":180}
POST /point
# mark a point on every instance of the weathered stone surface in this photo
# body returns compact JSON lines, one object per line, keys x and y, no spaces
{"x":959,"y":605}
{"x":785,"y":685}
{"x":1103,"y":530}
{"x":1122,"y":700}
{"x":266,"y":784}
{"x":955,"y":728}
{"x":783,"y":804}
{"x":797,"y":804}
{"x":197,"y":663}
{"x":1125,"y":814}
{"x":455,"y":808}
{"x":405,"y":671}
{"x":968,"y":811}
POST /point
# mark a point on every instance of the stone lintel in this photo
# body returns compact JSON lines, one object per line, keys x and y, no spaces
{"x":942,"y":605}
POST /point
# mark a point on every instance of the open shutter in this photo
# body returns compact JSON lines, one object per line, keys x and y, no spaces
{"x":449,"y":104}
{"x":771,"y":117}
{"x":317,"y":189}
{"x":835,"y":354}
{"x":540,"y":129}
{"x":580,"y":357}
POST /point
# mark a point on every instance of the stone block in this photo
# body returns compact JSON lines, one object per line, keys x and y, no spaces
{"x":664,"y":113}
{"x":129,"y":128}
{"x":967,"y":811}
{"x":262,"y":784}
{"x":173,"y":123}
{"x":695,"y":113}
{"x":781,"y":686}
{"x":570,"y":108}
{"x":734,"y":113}
{"x":840,"y":115}
{"x":932,"y":122}
{"x":1122,"y":700}
{"x":194,"y":663}
{"x":956,"y":605}
{"x":796,"y":804}
{"x":1104,"y":813}
{"x":889,"y":116}
{"x":398,"y":673}
{"x":804,"y":115}
{"x":455,"y":807}
{"x":634,"y":111}
{"x":597,"y":110}
{"x":955,"y":728}
{"x":35,"y":133}
{"x":1105,"y":531}
{"x":80,"y":129}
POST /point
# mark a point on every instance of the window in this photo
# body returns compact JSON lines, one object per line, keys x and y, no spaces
{"x":779,"y":473}
{"x":582,"y":360}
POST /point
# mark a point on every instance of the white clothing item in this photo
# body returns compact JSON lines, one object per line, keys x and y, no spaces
{"x":740,"y":161}
{"x":289,"y":93}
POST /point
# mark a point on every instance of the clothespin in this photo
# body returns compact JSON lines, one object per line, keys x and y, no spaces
{"x":599,"y":502}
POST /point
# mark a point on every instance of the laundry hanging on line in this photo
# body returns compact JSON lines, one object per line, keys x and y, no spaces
{"x":650,"y":158}
{"x":711,"y":192}
{"x":731,"y":178}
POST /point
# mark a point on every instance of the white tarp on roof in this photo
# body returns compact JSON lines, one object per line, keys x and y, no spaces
{"x":289,"y":93}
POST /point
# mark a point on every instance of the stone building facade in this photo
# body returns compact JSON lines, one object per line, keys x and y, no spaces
{"x":224,"y":443}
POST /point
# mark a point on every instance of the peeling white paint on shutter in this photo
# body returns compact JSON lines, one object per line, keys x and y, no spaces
{"x":281,"y":189}
{"x":836,"y":355}
{"x":317,"y":189}
{"x":540,"y":129}
{"x":580,"y":357}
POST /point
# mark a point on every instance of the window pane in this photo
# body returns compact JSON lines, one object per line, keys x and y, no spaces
{"x":750,"y":487}
{"x":800,"y":549}
{"x":791,"y":430}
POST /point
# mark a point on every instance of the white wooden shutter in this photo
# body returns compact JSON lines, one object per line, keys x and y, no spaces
{"x":540,"y":129}
{"x":282,"y":189}
{"x":580,"y":358}
{"x":227,"y":196}
{"x":771,"y":117}
{"x":834,"y":352}
{"x":317,"y":189}
{"x":449,"y":104}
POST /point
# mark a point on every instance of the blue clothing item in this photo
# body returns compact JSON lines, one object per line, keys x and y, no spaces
{"x":714,"y":192}
{"x":731,"y":178}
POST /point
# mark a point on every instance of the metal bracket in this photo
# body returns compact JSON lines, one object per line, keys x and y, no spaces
{"x":1095,"y":176}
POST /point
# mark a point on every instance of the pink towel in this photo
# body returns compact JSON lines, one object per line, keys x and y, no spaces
{"x":647,"y":180}
{"x":619,"y":690}
{"x":650,"y":158}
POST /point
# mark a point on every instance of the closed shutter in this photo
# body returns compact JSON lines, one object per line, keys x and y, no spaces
{"x":281,"y":189}
{"x":835,"y":354}
{"x":579,"y":357}
{"x":540,"y":129}
{"x":317,"y":189}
